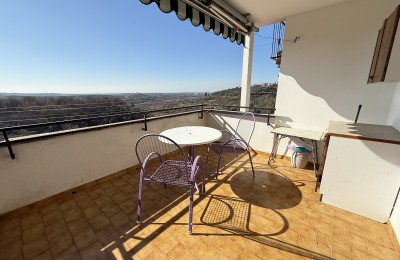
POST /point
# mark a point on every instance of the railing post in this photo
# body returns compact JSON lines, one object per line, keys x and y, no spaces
{"x":269,"y":116}
{"x":202,"y":111}
{"x":10,"y":150}
{"x":145,"y":122}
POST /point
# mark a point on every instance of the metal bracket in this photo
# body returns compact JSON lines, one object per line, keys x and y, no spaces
{"x":202,"y":111}
{"x":10,"y":150}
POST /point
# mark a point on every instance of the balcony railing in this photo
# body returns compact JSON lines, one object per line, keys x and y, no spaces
{"x":50,"y":129}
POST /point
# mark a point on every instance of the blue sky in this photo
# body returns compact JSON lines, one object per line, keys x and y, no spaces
{"x":103,"y":46}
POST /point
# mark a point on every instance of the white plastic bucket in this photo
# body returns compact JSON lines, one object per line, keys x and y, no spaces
{"x":299,"y":160}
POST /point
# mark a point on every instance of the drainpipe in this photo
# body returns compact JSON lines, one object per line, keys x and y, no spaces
{"x":246,"y":71}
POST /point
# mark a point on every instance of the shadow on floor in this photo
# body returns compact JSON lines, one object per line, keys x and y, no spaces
{"x":229,"y":214}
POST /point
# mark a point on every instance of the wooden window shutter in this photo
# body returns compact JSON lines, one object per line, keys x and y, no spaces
{"x":383,"y":47}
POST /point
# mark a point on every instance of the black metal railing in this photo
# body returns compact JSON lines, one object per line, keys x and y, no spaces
{"x":277,"y":42}
{"x":143,"y":116}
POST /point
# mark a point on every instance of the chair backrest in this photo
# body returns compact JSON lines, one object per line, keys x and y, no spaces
{"x":158,"y":145}
{"x":245,"y":127}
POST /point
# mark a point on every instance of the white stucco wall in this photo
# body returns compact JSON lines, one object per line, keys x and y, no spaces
{"x":324,"y":75}
{"x":394,"y":112}
{"x":262,"y":138}
{"x":47,"y":167}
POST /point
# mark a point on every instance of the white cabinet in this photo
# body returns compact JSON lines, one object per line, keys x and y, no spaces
{"x":362,"y":176}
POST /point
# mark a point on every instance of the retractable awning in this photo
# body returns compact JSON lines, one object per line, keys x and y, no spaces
{"x":211,"y":17}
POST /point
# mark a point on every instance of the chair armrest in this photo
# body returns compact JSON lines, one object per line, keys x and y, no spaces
{"x":148,"y":157}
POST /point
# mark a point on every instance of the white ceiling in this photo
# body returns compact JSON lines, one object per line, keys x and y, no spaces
{"x":265,"y":12}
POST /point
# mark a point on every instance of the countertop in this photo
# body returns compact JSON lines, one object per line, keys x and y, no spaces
{"x":369,"y":132}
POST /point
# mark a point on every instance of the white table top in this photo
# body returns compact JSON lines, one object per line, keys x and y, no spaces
{"x":308,"y":134}
{"x":193,"y":135}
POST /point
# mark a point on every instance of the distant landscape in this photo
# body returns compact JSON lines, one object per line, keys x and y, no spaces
{"x":28,"y":109}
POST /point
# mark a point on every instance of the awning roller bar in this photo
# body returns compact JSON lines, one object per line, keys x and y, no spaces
{"x":199,"y":15}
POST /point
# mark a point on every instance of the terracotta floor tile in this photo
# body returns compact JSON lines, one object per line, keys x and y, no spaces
{"x":52,"y":217}
{"x":11,"y":251}
{"x":10,"y":236}
{"x":67,"y":205}
{"x":99,"y":222}
{"x":72,"y":214}
{"x":110,"y":209}
{"x":247,"y":256}
{"x":56,"y":229}
{"x":276,"y":215}
{"x":359,"y":254}
{"x":84,"y":239}
{"x":105,"y":184}
{"x":146,"y":250}
{"x":10,"y":223}
{"x":120,"y":220}
{"x":119,"y":197}
{"x":128,"y":206}
{"x":352,"y":240}
{"x":108,"y":235}
{"x":60,"y":243}
{"x":91,"y":211}
{"x":30,"y":220}
{"x":49,"y":208}
{"x":229,"y":247}
{"x":85,"y":203}
{"x":80,"y":195}
{"x":165,"y":243}
{"x":382,"y":252}
{"x":35,"y":247}
{"x":94,"y":251}
{"x":111,"y":191}
{"x":102,"y":200}
{"x":44,"y":256}
{"x":33,"y":233}
{"x":203,"y":250}
{"x":77,"y":226}
{"x":71,"y":253}
{"x":179,"y":252}
{"x":95,"y":192}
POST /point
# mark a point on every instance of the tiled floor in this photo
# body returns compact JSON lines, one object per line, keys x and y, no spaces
{"x":276,"y":215}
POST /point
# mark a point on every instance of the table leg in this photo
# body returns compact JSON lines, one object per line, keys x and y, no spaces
{"x":277,"y":139}
{"x":191,"y":160}
{"x":271,"y":155}
{"x":315,"y":157}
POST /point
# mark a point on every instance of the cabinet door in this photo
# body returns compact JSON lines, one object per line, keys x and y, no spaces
{"x":383,"y":47}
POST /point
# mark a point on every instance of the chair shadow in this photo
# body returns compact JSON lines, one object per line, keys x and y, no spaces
{"x":232,"y":215}
{"x":229,"y":214}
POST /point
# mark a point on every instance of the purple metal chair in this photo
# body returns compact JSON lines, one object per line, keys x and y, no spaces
{"x":162,"y":160}
{"x":239,"y":141}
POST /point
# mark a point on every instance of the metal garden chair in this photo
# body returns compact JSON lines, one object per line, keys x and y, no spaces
{"x":162,"y":160}
{"x":239,"y":141}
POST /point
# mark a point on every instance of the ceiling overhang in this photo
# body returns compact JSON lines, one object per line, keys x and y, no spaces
{"x":233,"y":19}
{"x":264,"y":12}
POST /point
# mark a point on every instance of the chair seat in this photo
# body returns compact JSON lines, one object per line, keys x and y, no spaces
{"x":173,"y":172}
{"x":231,"y":147}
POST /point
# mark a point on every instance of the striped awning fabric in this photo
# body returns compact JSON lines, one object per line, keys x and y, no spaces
{"x":185,"y":11}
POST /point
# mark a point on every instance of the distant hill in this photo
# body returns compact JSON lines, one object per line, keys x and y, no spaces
{"x":26,"y":109}
{"x":261,"y":95}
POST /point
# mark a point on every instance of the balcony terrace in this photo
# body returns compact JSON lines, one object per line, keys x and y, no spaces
{"x":276,"y":215}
